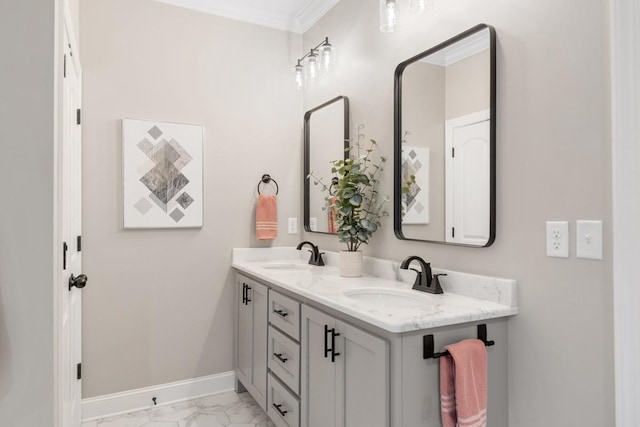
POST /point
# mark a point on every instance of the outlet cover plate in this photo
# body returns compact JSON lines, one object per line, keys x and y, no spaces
{"x":589,"y":239}
{"x":558,"y":239}
{"x":292,"y":225}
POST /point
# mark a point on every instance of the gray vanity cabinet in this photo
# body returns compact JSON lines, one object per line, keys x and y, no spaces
{"x":345,"y":374}
{"x":251,"y":342}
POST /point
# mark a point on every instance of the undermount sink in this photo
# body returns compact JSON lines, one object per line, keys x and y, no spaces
{"x":286,"y":266}
{"x":397,"y":298}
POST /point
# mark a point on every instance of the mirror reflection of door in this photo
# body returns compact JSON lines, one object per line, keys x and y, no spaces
{"x":468,"y":179}
{"x":326,"y":137}
{"x":443,"y":105}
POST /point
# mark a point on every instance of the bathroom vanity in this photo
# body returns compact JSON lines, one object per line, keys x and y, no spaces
{"x":318,"y":350}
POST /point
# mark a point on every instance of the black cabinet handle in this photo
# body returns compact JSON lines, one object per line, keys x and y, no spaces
{"x":326,"y":341}
{"x":280,"y":411}
{"x":334,"y":334}
{"x":281,"y":313}
{"x":244,"y":294}
{"x":247,"y":300}
{"x":280,"y":358}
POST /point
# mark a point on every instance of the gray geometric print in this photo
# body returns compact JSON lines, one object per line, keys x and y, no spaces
{"x":165,"y":180}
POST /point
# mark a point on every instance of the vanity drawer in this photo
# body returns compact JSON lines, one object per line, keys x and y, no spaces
{"x":284,"y":314}
{"x":282,"y":407}
{"x":284,"y":359}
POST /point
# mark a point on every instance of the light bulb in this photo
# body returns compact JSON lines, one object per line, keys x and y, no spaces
{"x":299,"y":73}
{"x":326,"y":55}
{"x":419,"y":7}
{"x":388,"y":15}
{"x":312,"y":65}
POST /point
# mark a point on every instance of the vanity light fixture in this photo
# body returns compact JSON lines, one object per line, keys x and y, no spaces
{"x":419,"y":7}
{"x":317,"y":59}
{"x":390,"y":10}
{"x":388,"y":15}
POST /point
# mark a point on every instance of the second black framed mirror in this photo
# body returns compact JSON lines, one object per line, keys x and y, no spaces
{"x":445,"y":142}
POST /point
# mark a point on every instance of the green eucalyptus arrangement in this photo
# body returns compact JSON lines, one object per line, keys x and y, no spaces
{"x":353,"y":194}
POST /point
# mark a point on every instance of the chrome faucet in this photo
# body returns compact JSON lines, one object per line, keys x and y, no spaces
{"x":316,"y":255}
{"x":424,"y":281}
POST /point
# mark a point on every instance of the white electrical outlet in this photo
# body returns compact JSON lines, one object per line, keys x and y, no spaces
{"x":293,"y":226}
{"x":313,"y":223}
{"x":589,"y":239}
{"x":558,"y":239}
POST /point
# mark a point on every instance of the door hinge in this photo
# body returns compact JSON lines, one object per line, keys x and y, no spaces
{"x":453,"y":152}
{"x":65,"y":248}
{"x":79,"y":244}
{"x":78,"y":116}
{"x":64,"y":72}
{"x":453,"y":232}
{"x":79,"y":371}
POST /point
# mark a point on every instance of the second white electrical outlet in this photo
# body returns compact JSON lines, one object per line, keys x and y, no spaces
{"x":558,"y":239}
{"x":293,"y":226}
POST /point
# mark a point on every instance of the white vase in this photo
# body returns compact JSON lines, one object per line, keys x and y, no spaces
{"x":350,"y":263}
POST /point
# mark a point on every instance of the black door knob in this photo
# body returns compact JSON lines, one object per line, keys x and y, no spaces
{"x":79,"y":282}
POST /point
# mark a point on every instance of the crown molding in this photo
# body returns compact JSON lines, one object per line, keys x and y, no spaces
{"x":312,"y":13}
{"x":280,"y":21}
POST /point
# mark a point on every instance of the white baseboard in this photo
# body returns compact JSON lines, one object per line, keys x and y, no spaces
{"x":135,"y":400}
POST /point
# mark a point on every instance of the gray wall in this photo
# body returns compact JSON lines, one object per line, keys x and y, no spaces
{"x":26,"y":217}
{"x":554,"y":155}
{"x":159,"y":304}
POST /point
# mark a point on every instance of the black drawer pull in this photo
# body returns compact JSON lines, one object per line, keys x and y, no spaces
{"x":281,"y":313}
{"x":244,"y":293}
{"x":280,"y":411}
{"x":280,"y":358}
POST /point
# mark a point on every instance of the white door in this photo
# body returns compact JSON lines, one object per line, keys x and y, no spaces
{"x":468,"y":179}
{"x":70,"y":353}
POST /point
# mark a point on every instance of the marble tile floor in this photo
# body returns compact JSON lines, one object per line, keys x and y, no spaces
{"x":221,"y":410}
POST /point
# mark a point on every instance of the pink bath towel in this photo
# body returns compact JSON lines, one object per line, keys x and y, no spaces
{"x":267,"y":217}
{"x":463,"y":385}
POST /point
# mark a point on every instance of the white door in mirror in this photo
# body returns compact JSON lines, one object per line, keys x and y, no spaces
{"x":589,"y":239}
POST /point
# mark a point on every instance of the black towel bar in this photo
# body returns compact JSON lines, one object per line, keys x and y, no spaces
{"x":266,"y":178}
{"x":428,"y":344}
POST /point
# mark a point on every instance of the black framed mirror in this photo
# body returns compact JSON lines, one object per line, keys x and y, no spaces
{"x":445,"y":142}
{"x":326,"y":138}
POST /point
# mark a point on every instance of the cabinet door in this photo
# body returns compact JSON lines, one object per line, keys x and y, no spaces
{"x":318,"y":376}
{"x":362,"y":391}
{"x":251,"y":347}
{"x":258,"y":295}
{"x":244,"y":334}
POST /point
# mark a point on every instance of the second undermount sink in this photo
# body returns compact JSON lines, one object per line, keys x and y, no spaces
{"x":286,"y":266}
{"x":387,"y":297}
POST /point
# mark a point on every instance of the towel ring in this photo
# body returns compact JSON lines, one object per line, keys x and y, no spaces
{"x":266,"y":178}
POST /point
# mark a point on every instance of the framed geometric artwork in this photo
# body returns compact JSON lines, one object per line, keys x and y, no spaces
{"x":162,"y":174}
{"x":415,"y":203}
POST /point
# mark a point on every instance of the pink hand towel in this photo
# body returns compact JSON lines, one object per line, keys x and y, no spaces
{"x":463,"y":385}
{"x":267,"y":217}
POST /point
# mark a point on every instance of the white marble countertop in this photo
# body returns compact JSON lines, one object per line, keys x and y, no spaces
{"x":466,"y":297}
